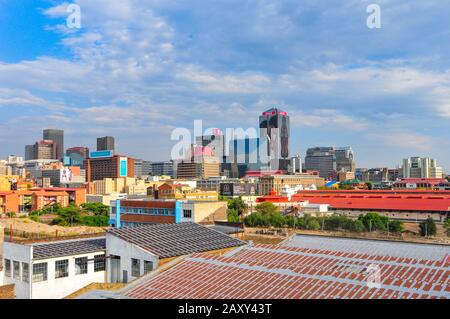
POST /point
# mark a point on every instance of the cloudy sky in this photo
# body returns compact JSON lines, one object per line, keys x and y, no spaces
{"x":137,"y":69}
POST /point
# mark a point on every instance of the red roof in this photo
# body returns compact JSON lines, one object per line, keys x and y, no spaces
{"x":263,"y":173}
{"x":278,"y":272}
{"x":404,"y":200}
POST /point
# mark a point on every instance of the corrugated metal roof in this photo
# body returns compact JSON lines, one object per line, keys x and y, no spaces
{"x":68,"y":248}
{"x":303,"y":272}
{"x":170,"y":240}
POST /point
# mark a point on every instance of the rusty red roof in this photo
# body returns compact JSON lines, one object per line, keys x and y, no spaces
{"x":305,"y":272}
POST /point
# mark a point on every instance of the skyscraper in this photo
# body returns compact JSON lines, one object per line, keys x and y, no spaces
{"x":214,"y":141}
{"x":421,"y":167}
{"x":105,"y":143}
{"x":345,"y":161}
{"x":58,"y":137}
{"x":274,"y":131}
{"x":321,"y":159}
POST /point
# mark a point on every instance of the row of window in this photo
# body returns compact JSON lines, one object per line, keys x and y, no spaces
{"x":136,"y":267}
{"x":16,"y":270}
{"x":149,"y":211}
{"x":40,"y":270}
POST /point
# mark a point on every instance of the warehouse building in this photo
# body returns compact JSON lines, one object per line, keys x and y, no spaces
{"x":53,"y":270}
{"x":307,"y":267}
{"x":396,"y":204}
{"x":136,"y":251}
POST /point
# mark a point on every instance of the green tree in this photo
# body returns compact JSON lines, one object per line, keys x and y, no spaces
{"x":369,"y":185}
{"x":447,"y":226}
{"x":374,"y":221}
{"x":98,"y":209}
{"x":427,"y":227}
{"x":68,"y":216}
{"x":238,"y":204}
{"x":267,"y":208}
{"x":396,"y":226}
{"x":233,"y":215}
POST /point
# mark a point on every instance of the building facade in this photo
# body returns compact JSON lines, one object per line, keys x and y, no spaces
{"x":274,"y":132}
{"x":421,"y":167}
{"x":105,"y":143}
{"x":275,"y":183}
{"x":108,"y":166}
{"x":57,"y":136}
{"x":321,"y":159}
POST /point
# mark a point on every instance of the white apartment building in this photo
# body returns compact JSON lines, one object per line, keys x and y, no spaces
{"x":421,"y":167}
{"x":53,"y":270}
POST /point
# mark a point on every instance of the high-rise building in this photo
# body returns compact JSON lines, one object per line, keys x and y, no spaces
{"x":105,"y":143}
{"x":421,"y":167}
{"x":45,"y":149}
{"x":146,"y":168}
{"x":244,"y":155}
{"x":274,"y":131}
{"x":75,"y":156}
{"x":105,"y":164}
{"x":215,"y":142}
{"x":29,"y":152}
{"x":163,"y":168}
{"x":56,"y":136}
{"x":81,"y":150}
{"x":321,"y":159}
{"x":296,"y":164}
{"x":345,"y":161}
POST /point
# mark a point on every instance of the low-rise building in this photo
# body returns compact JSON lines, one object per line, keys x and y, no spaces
{"x":270,"y":183}
{"x":53,"y":270}
{"x":136,"y":251}
{"x":135,"y":212}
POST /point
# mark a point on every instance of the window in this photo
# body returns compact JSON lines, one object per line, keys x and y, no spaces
{"x":25,"y":272}
{"x":16,"y":270}
{"x":81,"y":265}
{"x":61,"y":268}
{"x":135,"y":267}
{"x":39,"y":272}
{"x":99,"y":263}
{"x":187,"y":213}
{"x":7,"y":268}
{"x":148,"y":266}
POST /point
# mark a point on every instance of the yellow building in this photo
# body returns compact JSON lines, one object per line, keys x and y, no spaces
{"x":5,"y":184}
{"x":203,"y":196}
{"x":275,"y":183}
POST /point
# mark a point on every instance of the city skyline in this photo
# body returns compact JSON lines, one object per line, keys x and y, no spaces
{"x":139,"y":70}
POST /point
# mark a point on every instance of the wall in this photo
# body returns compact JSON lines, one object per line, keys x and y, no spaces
{"x":57,"y":288}
{"x":126,"y":251}
{"x":210,"y":211}
{"x":21,"y":253}
{"x":411,"y":216}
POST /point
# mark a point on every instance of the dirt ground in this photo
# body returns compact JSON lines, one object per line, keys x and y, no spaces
{"x":27,"y":225}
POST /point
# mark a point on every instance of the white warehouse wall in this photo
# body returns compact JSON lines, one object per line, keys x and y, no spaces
{"x":126,"y":251}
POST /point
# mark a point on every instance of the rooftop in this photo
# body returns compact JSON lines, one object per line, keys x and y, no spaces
{"x":307,"y":267}
{"x":68,"y":247}
{"x":170,"y":240}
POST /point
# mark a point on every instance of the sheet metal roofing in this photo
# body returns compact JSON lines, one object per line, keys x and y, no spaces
{"x":307,"y":271}
{"x":68,"y":248}
{"x":170,"y":240}
{"x":396,"y":200}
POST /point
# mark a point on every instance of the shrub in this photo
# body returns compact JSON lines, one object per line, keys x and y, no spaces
{"x":428,"y":227}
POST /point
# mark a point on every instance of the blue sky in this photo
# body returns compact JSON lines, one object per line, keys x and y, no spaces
{"x":138,"y":69}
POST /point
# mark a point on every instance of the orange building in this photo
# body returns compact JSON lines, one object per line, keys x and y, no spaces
{"x":38,"y":198}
